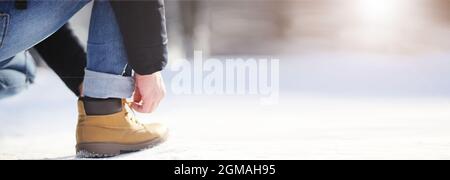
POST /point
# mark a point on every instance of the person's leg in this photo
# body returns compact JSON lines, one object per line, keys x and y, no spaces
{"x":16,"y":73}
{"x":22,"y":29}
{"x":107,"y":75}
{"x":106,"y":125}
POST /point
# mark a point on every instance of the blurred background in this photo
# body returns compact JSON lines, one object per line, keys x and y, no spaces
{"x":350,"y":47}
{"x":359,"y":79}
{"x":299,"y":26}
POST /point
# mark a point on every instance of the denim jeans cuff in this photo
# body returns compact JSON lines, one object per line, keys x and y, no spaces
{"x":104,"y":85}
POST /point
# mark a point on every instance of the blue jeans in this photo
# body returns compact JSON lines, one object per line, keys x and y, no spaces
{"x":107,"y":73}
{"x":16,"y":73}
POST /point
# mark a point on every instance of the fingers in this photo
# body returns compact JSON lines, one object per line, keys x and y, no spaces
{"x":138,"y":107}
{"x":149,"y":103}
{"x":149,"y":92}
{"x":137,"y":97}
{"x":145,"y":106}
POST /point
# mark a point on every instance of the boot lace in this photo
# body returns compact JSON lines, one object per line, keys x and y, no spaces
{"x":132,"y":115}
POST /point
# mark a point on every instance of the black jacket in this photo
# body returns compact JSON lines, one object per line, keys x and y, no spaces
{"x":143,"y":27}
{"x":65,"y":56}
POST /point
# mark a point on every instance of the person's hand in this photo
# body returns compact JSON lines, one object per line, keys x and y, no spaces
{"x":149,"y":92}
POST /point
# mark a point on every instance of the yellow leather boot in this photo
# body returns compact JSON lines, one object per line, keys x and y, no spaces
{"x":114,"y":134}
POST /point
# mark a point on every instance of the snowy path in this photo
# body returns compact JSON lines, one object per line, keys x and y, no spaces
{"x":40,"y":124}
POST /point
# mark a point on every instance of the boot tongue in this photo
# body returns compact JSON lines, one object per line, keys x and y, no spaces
{"x":98,"y":107}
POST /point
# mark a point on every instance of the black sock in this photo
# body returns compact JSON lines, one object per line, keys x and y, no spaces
{"x":96,"y":106}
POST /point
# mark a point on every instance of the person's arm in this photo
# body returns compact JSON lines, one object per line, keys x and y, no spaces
{"x":143,"y":27}
{"x":64,"y":54}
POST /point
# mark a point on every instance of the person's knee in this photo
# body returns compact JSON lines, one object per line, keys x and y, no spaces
{"x":12,"y":82}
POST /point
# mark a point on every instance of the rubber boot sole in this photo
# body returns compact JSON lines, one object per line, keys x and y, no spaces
{"x":104,"y":150}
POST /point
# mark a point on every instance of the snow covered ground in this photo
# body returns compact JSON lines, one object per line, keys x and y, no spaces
{"x":332,"y":106}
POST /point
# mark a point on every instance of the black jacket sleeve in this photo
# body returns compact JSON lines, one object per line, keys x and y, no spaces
{"x":143,"y":26}
{"x":64,"y":54}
